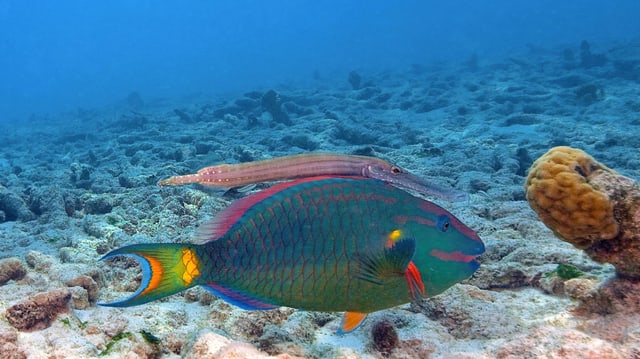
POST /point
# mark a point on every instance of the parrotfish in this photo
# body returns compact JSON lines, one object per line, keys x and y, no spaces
{"x":335,"y":244}
{"x":310,"y":165}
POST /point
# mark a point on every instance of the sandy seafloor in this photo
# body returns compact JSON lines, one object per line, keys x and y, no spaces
{"x":75,"y":185}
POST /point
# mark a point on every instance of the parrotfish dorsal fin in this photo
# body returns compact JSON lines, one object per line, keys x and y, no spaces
{"x":351,"y":321}
{"x":225,"y":219}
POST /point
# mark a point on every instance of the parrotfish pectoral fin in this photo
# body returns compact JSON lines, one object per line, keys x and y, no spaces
{"x":392,"y":261}
{"x":351,"y":321}
{"x":239,"y":299}
{"x":166,"y":269}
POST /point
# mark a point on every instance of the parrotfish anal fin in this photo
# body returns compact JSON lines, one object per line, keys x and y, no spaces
{"x":236,"y":298}
{"x":166,"y":269}
{"x":351,"y":321}
{"x":389,"y":262}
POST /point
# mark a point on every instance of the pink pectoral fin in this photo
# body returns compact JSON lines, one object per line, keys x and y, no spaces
{"x":351,"y":321}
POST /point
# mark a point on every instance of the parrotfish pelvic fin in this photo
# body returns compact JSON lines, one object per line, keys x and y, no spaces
{"x":416,"y":285}
{"x":351,"y":321}
{"x":166,"y":269}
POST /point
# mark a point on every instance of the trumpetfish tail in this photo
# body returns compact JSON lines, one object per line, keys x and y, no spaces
{"x":180,"y":180}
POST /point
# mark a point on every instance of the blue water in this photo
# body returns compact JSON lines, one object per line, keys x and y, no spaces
{"x":63,"y":55}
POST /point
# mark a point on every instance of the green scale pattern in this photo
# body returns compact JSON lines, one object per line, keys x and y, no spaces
{"x":302,"y":247}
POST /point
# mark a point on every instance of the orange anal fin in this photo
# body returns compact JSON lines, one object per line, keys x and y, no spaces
{"x":351,"y":321}
{"x":415,"y":281}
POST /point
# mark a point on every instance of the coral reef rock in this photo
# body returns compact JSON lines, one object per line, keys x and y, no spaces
{"x":588,"y":205}
{"x":11,"y":269}
{"x":211,"y":345}
{"x":8,"y":344}
{"x":38,"y":311}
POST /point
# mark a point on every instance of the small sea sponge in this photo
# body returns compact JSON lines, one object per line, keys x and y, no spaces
{"x":559,"y":189}
{"x":88,"y":284}
{"x":384,"y":337}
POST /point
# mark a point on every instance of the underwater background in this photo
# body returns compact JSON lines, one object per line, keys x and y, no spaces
{"x":101,"y":100}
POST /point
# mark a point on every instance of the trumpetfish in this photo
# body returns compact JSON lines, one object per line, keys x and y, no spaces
{"x":313,"y":164}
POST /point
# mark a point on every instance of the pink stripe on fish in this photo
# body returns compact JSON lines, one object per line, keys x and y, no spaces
{"x":400,"y":220}
{"x":452,"y":256}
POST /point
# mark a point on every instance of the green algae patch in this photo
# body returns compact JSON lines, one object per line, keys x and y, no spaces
{"x":116,"y":338}
{"x":567,"y":271}
{"x":149,"y":338}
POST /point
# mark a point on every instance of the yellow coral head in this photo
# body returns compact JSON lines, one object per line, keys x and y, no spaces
{"x":558,"y":188}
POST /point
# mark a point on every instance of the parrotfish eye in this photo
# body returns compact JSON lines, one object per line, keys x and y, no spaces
{"x":396,"y":170}
{"x":442,"y":223}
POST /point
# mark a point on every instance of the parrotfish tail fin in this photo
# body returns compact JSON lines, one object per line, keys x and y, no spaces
{"x":351,"y":321}
{"x":166,"y":269}
{"x":394,"y":261}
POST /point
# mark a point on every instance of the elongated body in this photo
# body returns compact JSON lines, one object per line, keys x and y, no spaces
{"x":325,"y":243}
{"x":310,"y":165}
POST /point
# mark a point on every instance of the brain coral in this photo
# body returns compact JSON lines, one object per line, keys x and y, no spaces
{"x":588,"y":205}
{"x":558,"y":189}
